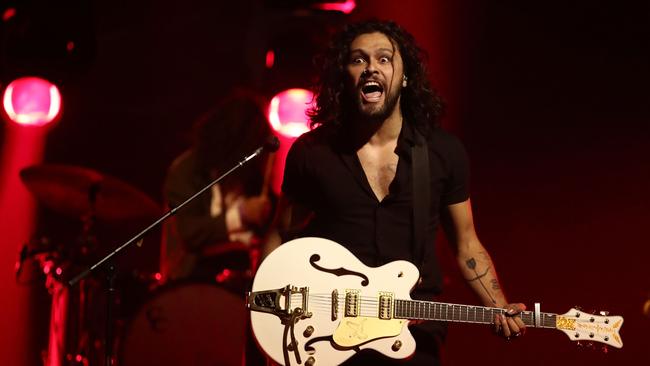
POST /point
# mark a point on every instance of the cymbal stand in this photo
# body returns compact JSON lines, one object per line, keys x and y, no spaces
{"x":271,"y":145}
{"x":84,"y":353}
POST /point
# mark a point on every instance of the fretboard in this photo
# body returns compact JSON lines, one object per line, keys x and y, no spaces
{"x":428,"y":310}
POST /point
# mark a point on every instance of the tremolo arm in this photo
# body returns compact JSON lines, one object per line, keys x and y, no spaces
{"x":280,"y":302}
{"x":271,"y":301}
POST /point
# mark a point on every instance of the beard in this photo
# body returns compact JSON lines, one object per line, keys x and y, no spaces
{"x":375,"y":112}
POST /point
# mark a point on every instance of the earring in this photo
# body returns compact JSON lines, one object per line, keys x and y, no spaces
{"x":404,"y":81}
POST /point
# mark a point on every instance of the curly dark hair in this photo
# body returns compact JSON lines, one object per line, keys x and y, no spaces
{"x":420,"y":103}
{"x":231,"y":130}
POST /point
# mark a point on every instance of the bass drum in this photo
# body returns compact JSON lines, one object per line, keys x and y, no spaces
{"x":187,"y":324}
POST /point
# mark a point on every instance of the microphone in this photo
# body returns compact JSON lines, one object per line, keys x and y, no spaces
{"x":272,"y":144}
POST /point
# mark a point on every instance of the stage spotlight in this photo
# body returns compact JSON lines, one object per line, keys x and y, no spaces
{"x":287,"y":112}
{"x":31,"y":101}
{"x":287,"y":117}
{"x":345,"y":7}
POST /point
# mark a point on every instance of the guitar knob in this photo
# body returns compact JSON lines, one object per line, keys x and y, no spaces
{"x":397,"y":345}
{"x":308,"y":331}
{"x":310,"y":361}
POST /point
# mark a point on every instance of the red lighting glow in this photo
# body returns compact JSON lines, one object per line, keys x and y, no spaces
{"x":287,"y":117}
{"x":31,"y":101}
{"x":345,"y":7}
{"x":287,"y":112}
{"x":224,"y":276}
{"x":8,"y":14}
{"x":270,"y":59}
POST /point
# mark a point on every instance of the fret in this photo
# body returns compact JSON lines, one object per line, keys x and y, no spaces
{"x":414,"y":309}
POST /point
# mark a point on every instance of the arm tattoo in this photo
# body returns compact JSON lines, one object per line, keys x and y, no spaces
{"x":495,"y":284}
{"x":471,"y":264}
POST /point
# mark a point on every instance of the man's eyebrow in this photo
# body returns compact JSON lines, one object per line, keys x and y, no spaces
{"x":359,"y":50}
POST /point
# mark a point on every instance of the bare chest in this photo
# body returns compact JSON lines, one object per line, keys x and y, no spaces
{"x":379,"y":166}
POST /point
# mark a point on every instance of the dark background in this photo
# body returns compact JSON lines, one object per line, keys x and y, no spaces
{"x":549,"y":97}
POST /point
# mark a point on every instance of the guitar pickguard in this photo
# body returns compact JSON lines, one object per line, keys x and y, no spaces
{"x":356,"y":331}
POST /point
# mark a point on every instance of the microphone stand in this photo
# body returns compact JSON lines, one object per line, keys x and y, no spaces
{"x":271,"y":145}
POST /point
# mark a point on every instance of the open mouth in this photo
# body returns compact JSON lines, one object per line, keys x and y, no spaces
{"x":372,"y":91}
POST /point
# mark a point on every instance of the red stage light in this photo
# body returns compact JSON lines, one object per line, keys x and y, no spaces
{"x":345,"y":7}
{"x":287,"y":112}
{"x":31,"y":101}
{"x":270,"y":59}
{"x":8,"y":14}
{"x":287,"y":117}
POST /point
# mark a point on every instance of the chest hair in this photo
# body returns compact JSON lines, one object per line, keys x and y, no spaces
{"x":380,"y":165}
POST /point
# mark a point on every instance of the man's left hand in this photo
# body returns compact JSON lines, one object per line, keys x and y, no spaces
{"x":509,"y":324}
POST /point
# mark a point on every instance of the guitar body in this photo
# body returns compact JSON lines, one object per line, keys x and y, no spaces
{"x":324,"y":266}
{"x":314,"y":303}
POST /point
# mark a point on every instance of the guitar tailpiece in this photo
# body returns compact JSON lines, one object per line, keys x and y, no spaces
{"x":289,"y":327}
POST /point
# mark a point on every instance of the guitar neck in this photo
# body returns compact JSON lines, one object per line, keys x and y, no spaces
{"x":429,"y":310}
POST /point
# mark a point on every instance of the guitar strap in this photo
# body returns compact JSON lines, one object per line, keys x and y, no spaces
{"x":421,"y":196}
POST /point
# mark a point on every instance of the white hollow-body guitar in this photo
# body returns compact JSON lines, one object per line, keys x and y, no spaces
{"x":314,"y":303}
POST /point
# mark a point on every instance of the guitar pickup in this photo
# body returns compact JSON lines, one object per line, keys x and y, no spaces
{"x":385,"y":305}
{"x":335,"y":304}
{"x":352,"y":303}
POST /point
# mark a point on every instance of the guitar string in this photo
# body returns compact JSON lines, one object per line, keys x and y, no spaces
{"x":411,"y":302}
{"x":324,"y":302}
{"x":373,"y":312}
{"x":415,"y":306}
{"x":435,"y":310}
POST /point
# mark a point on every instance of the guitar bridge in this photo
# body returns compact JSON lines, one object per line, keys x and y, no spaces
{"x":280,"y":302}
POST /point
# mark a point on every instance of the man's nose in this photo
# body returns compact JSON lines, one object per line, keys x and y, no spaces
{"x":370,"y":69}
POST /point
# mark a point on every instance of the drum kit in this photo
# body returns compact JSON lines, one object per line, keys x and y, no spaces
{"x":171,"y":324}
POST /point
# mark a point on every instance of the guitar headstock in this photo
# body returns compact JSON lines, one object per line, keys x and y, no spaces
{"x":581,"y":326}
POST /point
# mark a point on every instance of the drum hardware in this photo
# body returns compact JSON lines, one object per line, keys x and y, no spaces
{"x":166,"y":331}
{"x":76,"y":192}
{"x":92,"y":197}
{"x":271,"y":145}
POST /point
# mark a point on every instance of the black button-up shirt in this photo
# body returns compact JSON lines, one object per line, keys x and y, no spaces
{"x":323,"y":174}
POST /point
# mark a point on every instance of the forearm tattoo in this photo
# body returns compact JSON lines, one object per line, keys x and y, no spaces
{"x":471,"y":264}
{"x":495,"y":284}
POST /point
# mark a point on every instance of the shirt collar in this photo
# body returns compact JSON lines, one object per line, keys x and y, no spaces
{"x":407,"y":139}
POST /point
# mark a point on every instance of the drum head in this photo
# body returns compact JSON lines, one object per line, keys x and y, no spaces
{"x":187,"y":324}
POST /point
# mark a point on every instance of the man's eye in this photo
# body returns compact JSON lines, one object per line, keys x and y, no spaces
{"x":384,"y":59}
{"x":358,"y":60}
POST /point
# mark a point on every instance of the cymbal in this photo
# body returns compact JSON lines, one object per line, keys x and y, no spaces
{"x":71,"y":190}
